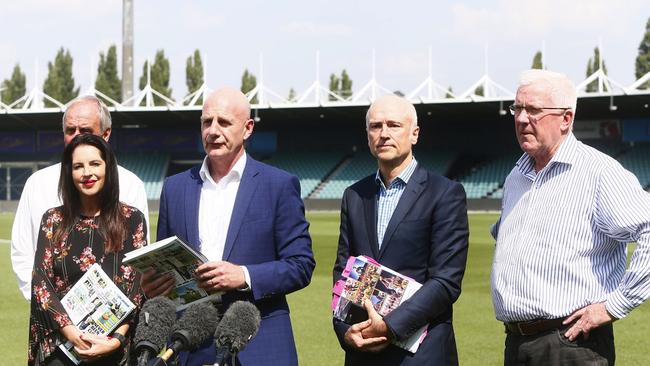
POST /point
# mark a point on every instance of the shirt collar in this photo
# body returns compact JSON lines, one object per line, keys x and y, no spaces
{"x":404,"y":176}
{"x":236,"y":172}
{"x":564,"y":155}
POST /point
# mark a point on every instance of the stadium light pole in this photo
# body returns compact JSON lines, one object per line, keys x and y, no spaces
{"x":127,"y":50}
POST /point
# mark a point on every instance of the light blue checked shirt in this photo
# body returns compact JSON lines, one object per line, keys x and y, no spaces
{"x":389,"y":197}
{"x":562,"y":235}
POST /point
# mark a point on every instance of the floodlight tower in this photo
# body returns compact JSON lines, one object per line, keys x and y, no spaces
{"x":127,"y":49}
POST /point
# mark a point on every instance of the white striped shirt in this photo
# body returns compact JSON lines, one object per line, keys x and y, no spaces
{"x":561,"y":238}
{"x":389,"y":197}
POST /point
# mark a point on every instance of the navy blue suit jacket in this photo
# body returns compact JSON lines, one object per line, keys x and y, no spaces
{"x":268,"y":234}
{"x":427,"y":240}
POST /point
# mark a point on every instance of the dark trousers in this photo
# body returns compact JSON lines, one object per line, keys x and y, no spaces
{"x":59,"y":359}
{"x":553,"y":348}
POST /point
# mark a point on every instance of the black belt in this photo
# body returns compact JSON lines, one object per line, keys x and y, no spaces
{"x":533,"y":327}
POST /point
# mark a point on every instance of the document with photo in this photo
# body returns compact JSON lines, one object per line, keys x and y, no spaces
{"x":175,"y":257}
{"x":95,"y":305}
{"x":365,"y":279}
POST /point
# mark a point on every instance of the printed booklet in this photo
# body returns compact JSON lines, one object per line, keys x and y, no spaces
{"x":173,"y":256}
{"x":364,"y":278}
{"x":95,"y":305}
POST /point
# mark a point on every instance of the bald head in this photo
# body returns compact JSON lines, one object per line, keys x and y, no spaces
{"x":231,"y":99}
{"x":225,"y":124}
{"x":391,"y":123}
{"x":398,"y":106}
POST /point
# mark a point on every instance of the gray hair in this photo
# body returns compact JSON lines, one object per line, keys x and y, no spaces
{"x":412,"y":113}
{"x":563,"y":91}
{"x":102,"y":110}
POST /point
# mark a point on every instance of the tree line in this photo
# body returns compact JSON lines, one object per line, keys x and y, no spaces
{"x":60,"y":83}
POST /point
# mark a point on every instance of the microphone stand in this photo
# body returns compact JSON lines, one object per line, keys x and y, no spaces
{"x":233,"y":359}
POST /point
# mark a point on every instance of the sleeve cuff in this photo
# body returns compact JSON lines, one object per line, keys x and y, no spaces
{"x":618,"y":305}
{"x":26,"y":290}
{"x":247,"y":279}
{"x":494,"y":229}
{"x":391,"y":333}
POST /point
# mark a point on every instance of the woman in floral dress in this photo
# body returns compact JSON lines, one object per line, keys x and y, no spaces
{"x":91,"y":227}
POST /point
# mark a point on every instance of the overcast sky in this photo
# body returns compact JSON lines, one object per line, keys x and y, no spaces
{"x":232,"y":34}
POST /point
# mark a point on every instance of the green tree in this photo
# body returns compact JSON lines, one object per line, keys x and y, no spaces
{"x":592,"y":66}
{"x":450,"y":93}
{"x":537,"y":61}
{"x":642,"y":64}
{"x":341,"y":86}
{"x":159,"y":77}
{"x":479,"y":91}
{"x":194,"y":73}
{"x":292,"y":95}
{"x":335,"y":87}
{"x":13,"y":88}
{"x":107,"y":80}
{"x":248,"y":83}
{"x":59,"y":83}
{"x":346,"y":85}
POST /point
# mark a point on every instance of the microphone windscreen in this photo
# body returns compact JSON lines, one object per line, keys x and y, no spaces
{"x":155,"y":322}
{"x":198,"y":323}
{"x":238,"y":326}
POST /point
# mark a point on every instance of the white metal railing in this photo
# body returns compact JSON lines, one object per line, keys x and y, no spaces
{"x":428,"y":91}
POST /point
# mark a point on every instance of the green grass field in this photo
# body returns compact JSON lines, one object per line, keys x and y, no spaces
{"x":479,"y":336}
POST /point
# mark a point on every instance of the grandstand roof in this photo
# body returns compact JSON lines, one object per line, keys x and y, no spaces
{"x":589,"y":107}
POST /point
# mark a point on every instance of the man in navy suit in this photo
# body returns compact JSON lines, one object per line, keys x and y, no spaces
{"x":248,"y":219}
{"x":415,"y":222}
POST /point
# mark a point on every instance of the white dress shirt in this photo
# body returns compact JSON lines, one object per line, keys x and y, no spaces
{"x":40,"y":194}
{"x":563,"y":234}
{"x":215,"y":209}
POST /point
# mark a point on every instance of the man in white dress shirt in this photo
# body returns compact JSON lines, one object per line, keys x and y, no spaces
{"x":86,"y":114}
{"x":559,"y":275}
{"x":248,"y":219}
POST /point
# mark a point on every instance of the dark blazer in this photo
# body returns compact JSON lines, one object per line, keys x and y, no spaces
{"x":268,"y":234}
{"x":426,"y":239}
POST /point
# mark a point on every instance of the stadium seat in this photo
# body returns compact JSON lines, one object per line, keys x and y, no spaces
{"x":150,"y":168}
{"x":357,"y":167}
{"x":310,"y":167}
{"x":363,"y":164}
{"x":637,"y":160}
{"x":486,"y":180}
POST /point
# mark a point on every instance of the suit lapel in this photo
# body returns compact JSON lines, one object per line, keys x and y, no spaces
{"x":413,"y":190}
{"x":192,"y":196}
{"x":247,"y":187}
{"x":370,"y":213}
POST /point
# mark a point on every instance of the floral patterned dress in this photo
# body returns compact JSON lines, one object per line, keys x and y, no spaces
{"x":58,"y":266}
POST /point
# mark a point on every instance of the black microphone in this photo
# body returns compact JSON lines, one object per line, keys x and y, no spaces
{"x":237,"y":327}
{"x":196,"y":325}
{"x":154,"y":326}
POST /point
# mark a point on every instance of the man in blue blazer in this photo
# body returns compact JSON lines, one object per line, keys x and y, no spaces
{"x":248,"y":219}
{"x":415,"y":222}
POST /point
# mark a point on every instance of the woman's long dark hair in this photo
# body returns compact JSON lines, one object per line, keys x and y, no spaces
{"x":111,"y":221}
